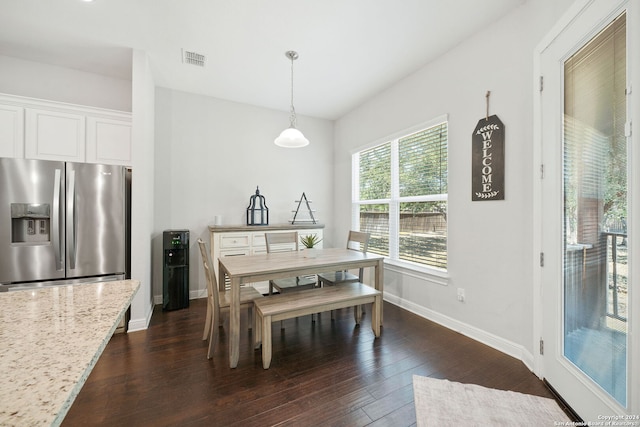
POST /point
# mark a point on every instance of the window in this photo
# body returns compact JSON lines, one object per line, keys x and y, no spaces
{"x":400,"y":196}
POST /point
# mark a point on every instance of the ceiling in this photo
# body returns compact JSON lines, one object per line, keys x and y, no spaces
{"x":349,"y":50}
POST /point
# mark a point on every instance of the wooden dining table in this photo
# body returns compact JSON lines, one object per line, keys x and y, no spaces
{"x":255,"y":268}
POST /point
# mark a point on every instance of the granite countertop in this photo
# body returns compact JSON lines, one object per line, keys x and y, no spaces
{"x":50,"y":340}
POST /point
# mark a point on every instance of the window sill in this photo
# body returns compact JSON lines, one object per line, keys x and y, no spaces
{"x":439,"y":277}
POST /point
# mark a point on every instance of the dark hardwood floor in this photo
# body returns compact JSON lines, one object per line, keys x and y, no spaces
{"x":322,"y":373}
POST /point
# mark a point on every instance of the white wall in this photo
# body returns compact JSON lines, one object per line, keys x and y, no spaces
{"x":490,"y":245}
{"x":44,"y":81}
{"x":142,"y":183}
{"x":209,"y":156}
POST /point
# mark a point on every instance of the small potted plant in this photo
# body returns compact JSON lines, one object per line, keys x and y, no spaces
{"x":309,"y":241}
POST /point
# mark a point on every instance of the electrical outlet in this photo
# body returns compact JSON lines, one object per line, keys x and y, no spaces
{"x":460,"y":294}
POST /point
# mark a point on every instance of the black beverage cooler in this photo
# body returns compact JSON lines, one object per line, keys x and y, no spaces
{"x":175,"y":286}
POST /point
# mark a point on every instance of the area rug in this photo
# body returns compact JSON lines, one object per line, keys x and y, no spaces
{"x":446,"y":403}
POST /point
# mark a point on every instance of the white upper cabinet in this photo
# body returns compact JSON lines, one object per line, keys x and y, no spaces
{"x":53,"y":135}
{"x":108,"y":141}
{"x":38,"y":129}
{"x":11,"y":131}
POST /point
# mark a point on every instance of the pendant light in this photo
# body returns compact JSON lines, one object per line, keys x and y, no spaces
{"x":291,"y":137}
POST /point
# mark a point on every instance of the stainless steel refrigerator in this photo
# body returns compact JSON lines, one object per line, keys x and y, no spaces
{"x":62,"y":223}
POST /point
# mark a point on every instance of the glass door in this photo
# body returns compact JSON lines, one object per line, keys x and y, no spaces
{"x":595,"y":240}
{"x":585,"y":211}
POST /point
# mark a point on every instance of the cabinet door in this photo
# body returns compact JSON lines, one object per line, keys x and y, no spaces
{"x":11,"y":131}
{"x":108,"y":141}
{"x":53,"y":135}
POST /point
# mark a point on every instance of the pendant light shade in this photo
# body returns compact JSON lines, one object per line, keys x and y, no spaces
{"x":291,"y":137}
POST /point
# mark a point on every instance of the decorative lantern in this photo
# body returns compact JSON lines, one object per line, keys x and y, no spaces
{"x":257,"y":211}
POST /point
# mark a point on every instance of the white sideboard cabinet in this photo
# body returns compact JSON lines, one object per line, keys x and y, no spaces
{"x":48,"y":130}
{"x":239,"y":240}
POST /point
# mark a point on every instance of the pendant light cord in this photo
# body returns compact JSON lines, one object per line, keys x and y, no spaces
{"x":292,"y":118}
{"x":291,"y":137}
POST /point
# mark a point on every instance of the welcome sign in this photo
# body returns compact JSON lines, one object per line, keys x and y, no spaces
{"x":487,"y":168}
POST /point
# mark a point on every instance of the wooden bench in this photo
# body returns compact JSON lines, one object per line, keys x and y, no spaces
{"x":295,"y":304}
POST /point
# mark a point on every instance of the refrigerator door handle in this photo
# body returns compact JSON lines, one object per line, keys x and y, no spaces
{"x":71,"y":219}
{"x":55,"y":220}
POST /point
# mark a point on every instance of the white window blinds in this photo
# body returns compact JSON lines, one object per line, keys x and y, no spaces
{"x":401,"y":197}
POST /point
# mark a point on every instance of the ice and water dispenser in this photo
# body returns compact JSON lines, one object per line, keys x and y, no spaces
{"x":30,"y":223}
{"x":175,"y":287}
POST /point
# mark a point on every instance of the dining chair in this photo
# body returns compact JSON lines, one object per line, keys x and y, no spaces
{"x":285,"y":242}
{"x":217,"y":300}
{"x":358,"y":241}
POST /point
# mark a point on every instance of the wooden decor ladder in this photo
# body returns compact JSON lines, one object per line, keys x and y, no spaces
{"x":311,"y":218}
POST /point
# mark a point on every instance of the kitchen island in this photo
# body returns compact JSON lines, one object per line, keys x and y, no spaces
{"x":50,"y":340}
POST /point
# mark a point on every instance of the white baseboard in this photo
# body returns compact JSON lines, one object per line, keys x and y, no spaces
{"x":197,"y":294}
{"x":142,"y":323}
{"x":494,"y":341}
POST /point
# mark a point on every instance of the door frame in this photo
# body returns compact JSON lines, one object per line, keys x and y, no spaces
{"x":633,"y":42}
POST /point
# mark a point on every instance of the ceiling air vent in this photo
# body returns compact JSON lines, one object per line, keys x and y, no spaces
{"x":193,"y":58}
